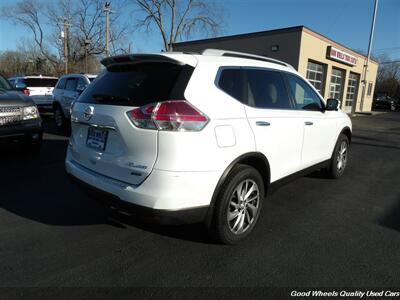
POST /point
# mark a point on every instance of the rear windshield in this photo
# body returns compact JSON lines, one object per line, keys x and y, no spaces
{"x":139,"y":84}
{"x":40,"y":82}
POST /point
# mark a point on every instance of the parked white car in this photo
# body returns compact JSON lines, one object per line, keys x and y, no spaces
{"x":40,"y":89}
{"x":187,"y":137}
{"x":68,"y":89}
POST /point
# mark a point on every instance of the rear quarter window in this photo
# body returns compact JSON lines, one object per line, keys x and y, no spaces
{"x":138,"y":84}
{"x":231,"y":82}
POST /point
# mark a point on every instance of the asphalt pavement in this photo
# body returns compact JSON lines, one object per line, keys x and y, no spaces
{"x":312,"y":232}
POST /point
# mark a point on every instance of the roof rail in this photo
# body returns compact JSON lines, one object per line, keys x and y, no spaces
{"x":220,"y":52}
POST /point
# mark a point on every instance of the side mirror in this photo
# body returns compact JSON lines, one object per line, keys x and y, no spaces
{"x":332,"y":104}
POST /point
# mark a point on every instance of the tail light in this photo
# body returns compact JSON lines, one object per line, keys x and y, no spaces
{"x":172,"y":115}
{"x":26,"y":91}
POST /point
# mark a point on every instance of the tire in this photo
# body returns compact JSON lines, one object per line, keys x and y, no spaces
{"x":244,"y":213}
{"x":339,"y":158}
{"x":59,"y":119}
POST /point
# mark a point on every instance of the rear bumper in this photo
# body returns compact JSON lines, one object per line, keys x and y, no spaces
{"x":160,"y":216}
{"x":23,"y":129}
{"x":165,"y":197}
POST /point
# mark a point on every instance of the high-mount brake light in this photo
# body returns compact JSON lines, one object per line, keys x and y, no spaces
{"x":172,"y":115}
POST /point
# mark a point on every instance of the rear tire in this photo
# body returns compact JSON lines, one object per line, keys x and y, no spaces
{"x":238,"y":205}
{"x":339,"y":158}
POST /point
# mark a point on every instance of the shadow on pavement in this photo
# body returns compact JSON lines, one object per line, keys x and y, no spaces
{"x":35,"y":186}
{"x":391,"y":219}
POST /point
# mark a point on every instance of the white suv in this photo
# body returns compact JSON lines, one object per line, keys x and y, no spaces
{"x":40,"y":89}
{"x":186,"y":138}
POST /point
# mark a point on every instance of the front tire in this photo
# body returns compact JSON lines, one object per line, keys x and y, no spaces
{"x":238,"y":205}
{"x":339,"y":158}
{"x":59,"y":118}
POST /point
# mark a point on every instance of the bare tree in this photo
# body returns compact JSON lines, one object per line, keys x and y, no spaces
{"x":177,"y":18}
{"x":86,"y":32}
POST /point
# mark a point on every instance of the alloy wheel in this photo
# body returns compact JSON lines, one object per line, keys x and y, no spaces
{"x":341,"y":160}
{"x":243,"y":206}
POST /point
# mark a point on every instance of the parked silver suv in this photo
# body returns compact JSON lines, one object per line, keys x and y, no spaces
{"x":67,"y":90}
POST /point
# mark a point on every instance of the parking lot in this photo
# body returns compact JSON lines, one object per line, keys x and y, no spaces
{"x":312,"y":232}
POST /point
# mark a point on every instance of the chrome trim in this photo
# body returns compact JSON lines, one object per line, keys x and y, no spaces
{"x":94,"y":125}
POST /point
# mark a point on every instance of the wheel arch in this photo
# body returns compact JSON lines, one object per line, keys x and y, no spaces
{"x":256,"y":160}
{"x":347,"y":132}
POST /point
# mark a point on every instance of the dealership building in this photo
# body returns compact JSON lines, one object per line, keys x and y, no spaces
{"x":335,"y":70}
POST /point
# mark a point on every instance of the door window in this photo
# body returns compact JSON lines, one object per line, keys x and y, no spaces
{"x":266,"y":89}
{"x":305,"y":97}
{"x":71,"y":84}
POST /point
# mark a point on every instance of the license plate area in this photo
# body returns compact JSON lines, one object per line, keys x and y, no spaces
{"x":97,"y":138}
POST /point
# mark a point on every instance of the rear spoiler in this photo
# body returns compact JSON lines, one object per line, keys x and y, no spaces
{"x":139,"y":58}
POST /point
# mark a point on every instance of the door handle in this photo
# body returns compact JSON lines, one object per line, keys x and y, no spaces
{"x":262,"y":123}
{"x":308,"y":123}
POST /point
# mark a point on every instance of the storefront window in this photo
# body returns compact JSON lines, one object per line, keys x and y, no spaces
{"x":336,"y":85}
{"x":316,"y":75}
{"x":352,"y":89}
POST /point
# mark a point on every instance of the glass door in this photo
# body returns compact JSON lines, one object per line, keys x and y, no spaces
{"x":352,"y":90}
{"x":336,"y":84}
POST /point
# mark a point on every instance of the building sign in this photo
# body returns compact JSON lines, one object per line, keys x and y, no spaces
{"x":339,"y":55}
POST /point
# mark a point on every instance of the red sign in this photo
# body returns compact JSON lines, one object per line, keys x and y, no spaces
{"x":339,"y":55}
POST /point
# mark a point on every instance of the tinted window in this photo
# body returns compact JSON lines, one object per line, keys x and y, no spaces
{"x":266,"y":89}
{"x":139,"y":84}
{"x":230,"y":81}
{"x":4,"y":84}
{"x":61,"y":83}
{"x":303,"y":94}
{"x":40,"y":82}
{"x":71,"y":84}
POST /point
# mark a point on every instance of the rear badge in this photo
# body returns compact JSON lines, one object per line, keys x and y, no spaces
{"x":88,"y":113}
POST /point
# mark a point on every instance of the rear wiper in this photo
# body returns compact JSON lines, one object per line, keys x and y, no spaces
{"x":108,"y":97}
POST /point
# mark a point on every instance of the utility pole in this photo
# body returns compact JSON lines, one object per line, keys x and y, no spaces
{"x":371,"y":36}
{"x":87,"y":43}
{"x":108,"y":11}
{"x":64,"y":35}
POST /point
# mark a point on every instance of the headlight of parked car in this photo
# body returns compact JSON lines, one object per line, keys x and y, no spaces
{"x":30,"y":112}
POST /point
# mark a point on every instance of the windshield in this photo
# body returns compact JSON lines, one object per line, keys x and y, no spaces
{"x":4,"y":84}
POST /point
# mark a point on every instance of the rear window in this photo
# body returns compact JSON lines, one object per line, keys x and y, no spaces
{"x":40,"y":82}
{"x":139,"y":84}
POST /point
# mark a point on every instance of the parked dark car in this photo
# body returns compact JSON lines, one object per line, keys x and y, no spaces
{"x":19,"y":117}
{"x":386,"y":102}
